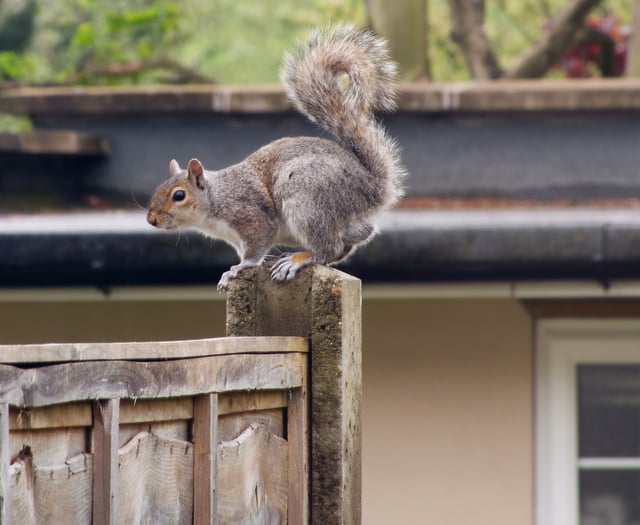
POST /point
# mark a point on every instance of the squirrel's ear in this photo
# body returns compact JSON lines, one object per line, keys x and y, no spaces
{"x":195,"y":172}
{"x":174,"y":167}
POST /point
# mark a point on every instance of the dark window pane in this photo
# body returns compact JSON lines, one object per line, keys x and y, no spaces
{"x":609,"y":497}
{"x":609,"y":410}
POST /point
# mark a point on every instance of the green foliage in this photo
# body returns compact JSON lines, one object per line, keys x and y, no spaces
{"x":231,"y":41}
{"x":15,"y":66}
{"x":242,"y":41}
{"x":14,"y":124}
{"x":83,"y":38}
{"x":17,"y":25}
{"x":512,"y":27}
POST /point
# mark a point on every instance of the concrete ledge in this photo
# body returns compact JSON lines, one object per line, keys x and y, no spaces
{"x":529,"y":95}
{"x":53,"y":143}
{"x":523,"y":95}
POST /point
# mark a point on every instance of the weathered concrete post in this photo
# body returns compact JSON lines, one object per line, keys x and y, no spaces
{"x":324,"y":305}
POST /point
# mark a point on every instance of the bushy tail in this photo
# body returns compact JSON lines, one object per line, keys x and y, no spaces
{"x":338,"y":78}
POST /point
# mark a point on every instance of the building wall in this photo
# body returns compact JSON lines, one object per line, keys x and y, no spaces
{"x":447,"y":393}
{"x":447,"y":412}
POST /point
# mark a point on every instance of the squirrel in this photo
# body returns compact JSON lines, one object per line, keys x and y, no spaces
{"x":312,"y":192}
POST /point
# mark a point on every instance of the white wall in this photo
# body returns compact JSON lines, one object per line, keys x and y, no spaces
{"x":447,"y":413}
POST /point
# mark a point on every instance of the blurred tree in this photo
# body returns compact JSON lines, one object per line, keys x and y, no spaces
{"x":468,"y":32}
{"x":633,"y":64}
{"x":555,"y":43}
{"x":242,"y":41}
{"x":404,"y":25}
{"x":16,"y":28}
{"x":16,"y":32}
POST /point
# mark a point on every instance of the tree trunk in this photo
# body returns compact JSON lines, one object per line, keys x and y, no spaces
{"x":543,"y":56}
{"x":404,"y":24}
{"x":633,"y":60}
{"x":468,"y":33}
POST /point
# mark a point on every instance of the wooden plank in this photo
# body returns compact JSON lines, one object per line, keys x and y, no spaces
{"x":155,"y":481}
{"x":79,"y":381}
{"x":5,"y":498}
{"x":57,"y":416}
{"x":152,"y":410}
{"x":105,"y":461}
{"x":50,"y":446}
{"x":54,"y":142}
{"x":205,"y":447}
{"x":58,"y":353}
{"x":298,"y":447}
{"x":251,"y":401}
{"x":171,"y":430}
{"x":230,"y":426}
{"x":253,"y":474}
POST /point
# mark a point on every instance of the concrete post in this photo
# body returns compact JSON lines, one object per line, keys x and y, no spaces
{"x":324,"y":305}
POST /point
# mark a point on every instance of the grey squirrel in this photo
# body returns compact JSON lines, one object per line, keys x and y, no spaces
{"x":302,"y":191}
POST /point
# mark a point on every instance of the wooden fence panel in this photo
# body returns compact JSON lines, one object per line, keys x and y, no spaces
{"x":51,"y":494}
{"x":156,"y":479}
{"x":155,"y":454}
{"x":214,"y":431}
{"x":255,"y":469}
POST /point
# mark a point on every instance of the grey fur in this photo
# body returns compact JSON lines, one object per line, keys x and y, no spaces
{"x":304,"y":191}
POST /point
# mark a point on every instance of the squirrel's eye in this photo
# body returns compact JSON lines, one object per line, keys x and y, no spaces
{"x":179,"y":195}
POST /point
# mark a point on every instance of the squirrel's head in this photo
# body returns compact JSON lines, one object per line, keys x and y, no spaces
{"x":178,"y":202}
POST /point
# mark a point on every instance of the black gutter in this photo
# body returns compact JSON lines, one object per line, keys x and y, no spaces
{"x":413,"y":246}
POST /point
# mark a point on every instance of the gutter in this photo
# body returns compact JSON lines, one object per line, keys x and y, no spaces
{"x":118,"y":248}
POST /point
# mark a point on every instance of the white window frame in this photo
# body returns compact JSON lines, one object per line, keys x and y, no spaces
{"x":561,"y":345}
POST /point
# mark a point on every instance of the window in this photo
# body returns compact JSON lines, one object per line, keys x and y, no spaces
{"x":588,"y":422}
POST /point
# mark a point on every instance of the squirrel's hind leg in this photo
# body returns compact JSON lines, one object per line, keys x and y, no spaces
{"x":287,"y":266}
{"x":359,"y":233}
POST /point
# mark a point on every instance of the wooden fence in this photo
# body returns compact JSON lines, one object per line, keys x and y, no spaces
{"x":207,"y":431}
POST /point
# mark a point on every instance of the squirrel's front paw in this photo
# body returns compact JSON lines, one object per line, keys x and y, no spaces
{"x":223,"y":283}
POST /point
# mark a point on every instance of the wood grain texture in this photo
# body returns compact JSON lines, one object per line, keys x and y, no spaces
{"x":298,"y":454}
{"x":250,"y":401}
{"x":106,"y":415}
{"x":57,"y":416}
{"x":52,"y":384}
{"x":205,"y":447}
{"x":151,"y":410}
{"x":5,"y":502}
{"x":230,"y":426}
{"x":155,"y":481}
{"x":255,"y":473}
{"x":56,"y":353}
{"x":49,"y":446}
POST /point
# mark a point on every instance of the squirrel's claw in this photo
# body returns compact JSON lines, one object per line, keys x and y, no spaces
{"x":288,"y":265}
{"x":223,"y":283}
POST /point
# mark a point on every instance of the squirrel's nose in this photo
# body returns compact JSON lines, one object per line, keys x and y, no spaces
{"x":152,"y":219}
